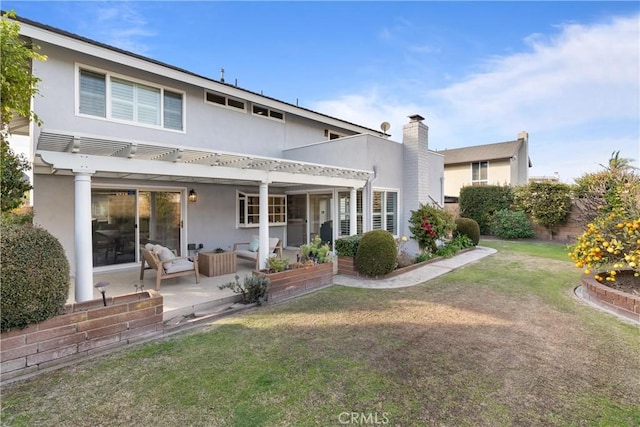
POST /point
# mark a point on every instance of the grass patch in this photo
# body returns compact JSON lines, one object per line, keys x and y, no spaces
{"x":498,"y":342}
{"x":557,"y":251}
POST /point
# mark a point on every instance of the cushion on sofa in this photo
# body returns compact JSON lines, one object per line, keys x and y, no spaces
{"x":179,"y":265}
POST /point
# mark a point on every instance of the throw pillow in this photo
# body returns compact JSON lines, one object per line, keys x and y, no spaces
{"x":167,"y":257}
{"x":254,"y":245}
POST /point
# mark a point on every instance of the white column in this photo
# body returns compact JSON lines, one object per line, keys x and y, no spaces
{"x":83,"y":237}
{"x":264,"y":225}
{"x":353,"y":212}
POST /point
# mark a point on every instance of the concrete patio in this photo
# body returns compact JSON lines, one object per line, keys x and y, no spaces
{"x":182,"y":296}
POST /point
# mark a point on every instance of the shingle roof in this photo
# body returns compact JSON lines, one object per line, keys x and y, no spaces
{"x":477,"y":153}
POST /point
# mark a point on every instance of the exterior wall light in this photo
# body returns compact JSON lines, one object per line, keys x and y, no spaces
{"x":193,"y":196}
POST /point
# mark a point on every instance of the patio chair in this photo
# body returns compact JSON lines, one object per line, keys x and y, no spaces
{"x":166,"y":266}
{"x":252,"y":252}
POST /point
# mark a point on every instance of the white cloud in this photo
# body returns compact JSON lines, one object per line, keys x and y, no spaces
{"x":584,"y":74}
{"x":577,"y":93}
{"x":118,"y":24}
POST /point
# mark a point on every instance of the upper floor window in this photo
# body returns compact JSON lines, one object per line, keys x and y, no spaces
{"x":110,"y":97}
{"x":259,"y":110}
{"x":384,"y":214}
{"x":479,"y":173}
{"x":220,"y":99}
{"x":332,"y":135}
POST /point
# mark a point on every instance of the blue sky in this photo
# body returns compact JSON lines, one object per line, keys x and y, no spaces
{"x":480,"y":72}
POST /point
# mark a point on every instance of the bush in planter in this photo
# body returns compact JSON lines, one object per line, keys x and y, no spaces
{"x":34,"y":276}
{"x":453,"y":246}
{"x":428,"y":224}
{"x":377,"y":253}
{"x":276,"y":264}
{"x":467,"y":227}
{"x":316,"y":251}
{"x":348,"y":246}
{"x":254,"y":289}
{"x":507,"y":224}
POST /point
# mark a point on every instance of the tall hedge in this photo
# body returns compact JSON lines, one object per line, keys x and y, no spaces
{"x":481,"y":202}
{"x":35,"y":276}
{"x":548,"y":203}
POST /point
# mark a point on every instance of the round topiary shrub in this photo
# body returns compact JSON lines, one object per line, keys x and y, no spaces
{"x":377,"y":253}
{"x":35,"y":276}
{"x":468,"y":227}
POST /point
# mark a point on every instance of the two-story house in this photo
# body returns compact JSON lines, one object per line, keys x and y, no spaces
{"x":502,"y":163}
{"x":133,"y":150}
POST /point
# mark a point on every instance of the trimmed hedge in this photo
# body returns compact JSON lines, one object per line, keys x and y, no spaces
{"x":468,"y":227}
{"x":348,"y":246}
{"x":480,"y":203}
{"x":35,"y":276}
{"x":377,"y":253}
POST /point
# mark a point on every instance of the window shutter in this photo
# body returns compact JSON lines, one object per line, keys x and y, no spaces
{"x":392,"y":210}
{"x":172,"y":110}
{"x":122,"y":99}
{"x":377,"y":211}
{"x":148,"y":105}
{"x":92,"y":94}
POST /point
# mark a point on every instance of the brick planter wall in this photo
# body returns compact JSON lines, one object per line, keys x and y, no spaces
{"x":620,"y":302}
{"x":288,"y":283}
{"x":86,"y":328}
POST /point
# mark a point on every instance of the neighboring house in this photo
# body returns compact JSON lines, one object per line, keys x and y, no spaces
{"x":503,"y":163}
{"x":133,"y":150}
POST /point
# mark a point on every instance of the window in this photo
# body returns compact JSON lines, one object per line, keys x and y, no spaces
{"x":110,"y":97}
{"x":385,"y":211}
{"x":259,"y":110}
{"x":344,"y":200}
{"x":479,"y":173}
{"x":249,"y":210}
{"x":220,"y":99}
{"x":332,"y":135}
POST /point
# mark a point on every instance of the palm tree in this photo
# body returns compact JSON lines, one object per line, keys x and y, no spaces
{"x":618,"y":164}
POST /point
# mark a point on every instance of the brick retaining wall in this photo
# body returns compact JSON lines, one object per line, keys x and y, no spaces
{"x":86,"y":328}
{"x":289,"y":283}
{"x":620,"y":302}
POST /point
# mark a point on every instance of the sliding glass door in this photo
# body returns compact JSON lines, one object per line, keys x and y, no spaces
{"x":122,"y":219}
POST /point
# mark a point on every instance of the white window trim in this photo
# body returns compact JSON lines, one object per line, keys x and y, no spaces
{"x":384,"y":208}
{"x":269,"y":110}
{"x":108,"y":118}
{"x":246,"y":224}
{"x":329,"y":132}
{"x":227,"y":98}
{"x":479,"y":181}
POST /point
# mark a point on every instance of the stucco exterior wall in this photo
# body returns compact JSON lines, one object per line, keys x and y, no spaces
{"x":458,"y":176}
{"x":210,"y":221}
{"x":207,"y":125}
{"x":357,"y":152}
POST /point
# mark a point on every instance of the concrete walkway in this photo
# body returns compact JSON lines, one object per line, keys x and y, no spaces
{"x":419,"y":275}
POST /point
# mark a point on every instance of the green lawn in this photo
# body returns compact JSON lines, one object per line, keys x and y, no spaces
{"x":501,"y":342}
